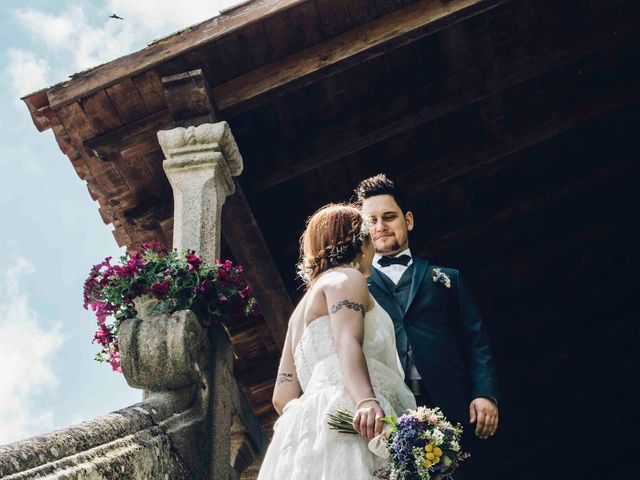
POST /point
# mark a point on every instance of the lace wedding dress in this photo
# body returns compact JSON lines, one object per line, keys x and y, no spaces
{"x":303,"y":447}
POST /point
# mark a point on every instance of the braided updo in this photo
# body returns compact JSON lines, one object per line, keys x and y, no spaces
{"x":333,"y":236}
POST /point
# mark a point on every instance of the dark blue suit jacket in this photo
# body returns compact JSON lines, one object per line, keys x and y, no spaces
{"x":450,"y":343}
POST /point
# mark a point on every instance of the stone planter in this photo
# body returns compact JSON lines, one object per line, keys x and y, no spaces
{"x":160,"y":352}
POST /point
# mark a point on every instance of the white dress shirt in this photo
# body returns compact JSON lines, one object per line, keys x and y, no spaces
{"x":394,"y":272}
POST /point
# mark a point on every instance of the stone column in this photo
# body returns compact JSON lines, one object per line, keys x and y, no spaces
{"x":200,"y":162}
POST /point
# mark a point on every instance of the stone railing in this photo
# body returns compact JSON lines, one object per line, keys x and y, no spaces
{"x":177,"y":432}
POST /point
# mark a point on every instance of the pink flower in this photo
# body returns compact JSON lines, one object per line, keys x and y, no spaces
{"x":103,"y":310}
{"x":103,"y":335}
{"x":159,"y":290}
{"x":223,"y":298}
{"x":114,"y":360}
{"x":193,"y":261}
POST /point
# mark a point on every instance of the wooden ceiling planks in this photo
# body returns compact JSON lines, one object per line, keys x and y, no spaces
{"x":294,"y":30}
{"x":99,"y":108}
{"x":384,"y":7}
{"x":343,"y":51}
{"x":334,"y":17}
{"x":127,"y":101}
{"x":149,"y":86}
{"x":458,"y":91}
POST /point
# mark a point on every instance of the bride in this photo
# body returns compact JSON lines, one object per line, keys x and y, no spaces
{"x":339,"y":352}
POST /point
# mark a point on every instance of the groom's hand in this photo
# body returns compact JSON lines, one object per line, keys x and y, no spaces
{"x":484,"y":413}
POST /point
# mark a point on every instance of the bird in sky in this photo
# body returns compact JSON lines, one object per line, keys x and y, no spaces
{"x":116,"y":16}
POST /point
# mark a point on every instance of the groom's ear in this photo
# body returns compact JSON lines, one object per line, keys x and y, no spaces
{"x":409,"y":219}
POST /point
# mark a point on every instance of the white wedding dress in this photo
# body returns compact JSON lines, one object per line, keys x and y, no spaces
{"x":303,"y":447}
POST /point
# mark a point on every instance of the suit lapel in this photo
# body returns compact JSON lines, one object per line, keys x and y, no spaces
{"x":420,"y":268}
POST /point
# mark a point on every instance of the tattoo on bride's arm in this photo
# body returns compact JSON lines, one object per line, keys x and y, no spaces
{"x":358,"y":307}
{"x":284,"y":378}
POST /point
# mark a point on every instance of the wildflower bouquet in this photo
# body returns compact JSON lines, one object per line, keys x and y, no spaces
{"x":178,"y":281}
{"x":420,"y":445}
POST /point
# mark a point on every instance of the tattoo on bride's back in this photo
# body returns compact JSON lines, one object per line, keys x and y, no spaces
{"x":358,"y":307}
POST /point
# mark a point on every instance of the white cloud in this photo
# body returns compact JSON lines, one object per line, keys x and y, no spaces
{"x":89,"y":37}
{"x":56,"y":29}
{"x":27,"y":72}
{"x":27,"y":348}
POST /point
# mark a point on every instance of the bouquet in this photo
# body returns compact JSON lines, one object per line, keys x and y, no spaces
{"x":177,"y":281}
{"x":420,"y":445}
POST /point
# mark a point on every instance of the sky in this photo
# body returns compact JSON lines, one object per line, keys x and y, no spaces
{"x":52,"y":232}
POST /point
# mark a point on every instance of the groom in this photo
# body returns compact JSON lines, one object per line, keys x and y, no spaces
{"x":441,"y":339}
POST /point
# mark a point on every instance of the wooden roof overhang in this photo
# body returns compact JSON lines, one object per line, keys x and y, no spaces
{"x":481,"y":110}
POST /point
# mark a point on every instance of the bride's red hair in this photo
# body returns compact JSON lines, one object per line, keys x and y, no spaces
{"x":333,"y":228}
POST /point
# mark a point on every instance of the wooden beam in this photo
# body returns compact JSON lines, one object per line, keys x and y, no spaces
{"x":243,"y":235}
{"x":165,"y":49}
{"x":187,"y":97}
{"x":129,"y":136}
{"x":385,"y":121}
{"x":342,"y":52}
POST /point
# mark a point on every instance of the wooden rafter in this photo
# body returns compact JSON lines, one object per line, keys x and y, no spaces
{"x":245,"y":240}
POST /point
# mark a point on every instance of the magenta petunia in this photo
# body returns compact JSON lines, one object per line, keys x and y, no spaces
{"x":103,"y":335}
{"x":159,"y":290}
{"x":193,"y":261}
{"x":114,"y":360}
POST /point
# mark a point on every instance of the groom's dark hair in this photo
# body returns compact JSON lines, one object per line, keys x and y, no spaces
{"x":380,"y":185}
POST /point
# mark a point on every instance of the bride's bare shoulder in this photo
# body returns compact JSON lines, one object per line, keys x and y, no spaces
{"x":342,"y":278}
{"x":345,"y":283}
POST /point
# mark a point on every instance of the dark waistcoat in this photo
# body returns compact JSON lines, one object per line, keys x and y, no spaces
{"x":401,"y":293}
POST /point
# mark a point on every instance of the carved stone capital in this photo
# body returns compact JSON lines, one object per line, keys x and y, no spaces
{"x":200,"y":162}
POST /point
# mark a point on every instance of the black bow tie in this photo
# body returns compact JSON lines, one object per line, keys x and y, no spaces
{"x":401,"y":260}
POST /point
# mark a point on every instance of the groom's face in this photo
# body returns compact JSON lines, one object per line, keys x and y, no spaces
{"x":390,"y":226}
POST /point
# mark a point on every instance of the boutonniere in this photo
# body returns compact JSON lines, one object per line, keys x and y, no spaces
{"x":440,"y":277}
